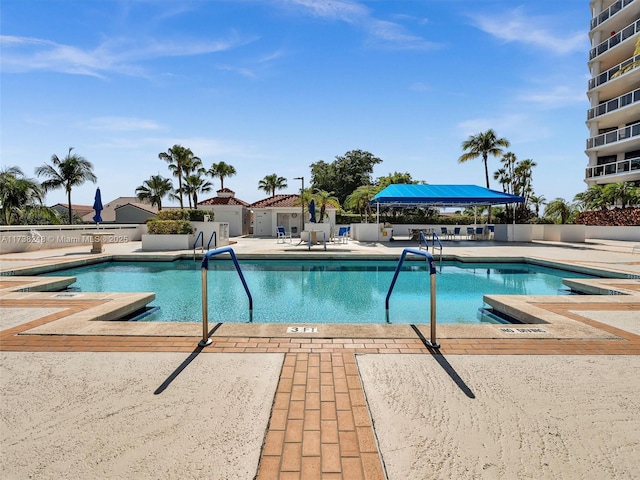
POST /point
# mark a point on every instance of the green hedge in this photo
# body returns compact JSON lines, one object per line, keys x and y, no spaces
{"x":173,"y":214}
{"x":194,"y":215}
{"x":169,"y":227}
{"x":198,"y":215}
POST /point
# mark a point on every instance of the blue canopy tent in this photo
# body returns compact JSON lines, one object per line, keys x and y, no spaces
{"x":420,"y":195}
{"x":403,"y":195}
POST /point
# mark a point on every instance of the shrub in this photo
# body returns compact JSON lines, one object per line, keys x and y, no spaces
{"x":169,"y":227}
{"x":198,"y":215}
{"x":173,"y":214}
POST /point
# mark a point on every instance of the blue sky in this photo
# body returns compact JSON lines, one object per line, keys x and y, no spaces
{"x":271,"y":86}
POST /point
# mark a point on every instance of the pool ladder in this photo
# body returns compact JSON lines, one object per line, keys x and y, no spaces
{"x":434,"y":238}
{"x":432,"y":273}
{"x":201,"y":237}
{"x":205,"y":303}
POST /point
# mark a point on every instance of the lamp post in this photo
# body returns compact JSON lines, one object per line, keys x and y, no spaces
{"x":301,"y":205}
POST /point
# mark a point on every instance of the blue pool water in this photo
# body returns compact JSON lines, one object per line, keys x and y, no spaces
{"x":317,"y":291}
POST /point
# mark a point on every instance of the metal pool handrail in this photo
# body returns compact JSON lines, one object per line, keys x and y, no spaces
{"x":205,"y":306}
{"x":213,"y":234}
{"x":432,"y":273}
{"x":195,"y":243}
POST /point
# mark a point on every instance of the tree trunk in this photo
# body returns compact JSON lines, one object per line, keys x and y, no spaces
{"x":69,"y":205}
{"x":486,"y":176}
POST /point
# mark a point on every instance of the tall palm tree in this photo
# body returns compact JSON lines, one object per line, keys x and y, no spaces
{"x":72,"y":171}
{"x":221,"y":170}
{"x":17,"y":194}
{"x":154,"y":190}
{"x":322,"y":199}
{"x":179,"y":159}
{"x":483,"y":145}
{"x":523,"y":184}
{"x":271,"y":183}
{"x":194,"y":184}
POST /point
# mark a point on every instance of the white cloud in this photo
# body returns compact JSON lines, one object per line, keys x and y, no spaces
{"x":333,"y":9}
{"x":543,"y":32}
{"x":381,"y":32}
{"x":555,"y":97}
{"x":24,"y":54}
{"x":516,"y":127}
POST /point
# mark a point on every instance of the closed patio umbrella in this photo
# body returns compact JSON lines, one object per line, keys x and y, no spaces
{"x":312,"y":211}
{"x":97,"y":206}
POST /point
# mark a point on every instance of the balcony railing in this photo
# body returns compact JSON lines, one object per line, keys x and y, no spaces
{"x":623,"y":133}
{"x":615,"y":39}
{"x":623,"y":67}
{"x":614,"y":168}
{"x":609,"y":12}
{"x":614,"y":104}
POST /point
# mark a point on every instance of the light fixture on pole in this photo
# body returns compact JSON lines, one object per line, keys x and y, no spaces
{"x":301,"y":204}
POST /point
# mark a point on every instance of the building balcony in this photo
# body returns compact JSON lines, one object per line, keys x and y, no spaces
{"x":615,"y":72}
{"x":624,"y":168}
{"x":615,"y":136}
{"x":613,"y":105}
{"x":609,"y":12}
{"x":615,"y":39}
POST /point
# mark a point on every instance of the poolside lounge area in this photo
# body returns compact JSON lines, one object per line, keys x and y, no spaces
{"x":87,"y":397}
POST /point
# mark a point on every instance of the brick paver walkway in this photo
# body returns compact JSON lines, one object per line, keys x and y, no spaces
{"x":320,"y":425}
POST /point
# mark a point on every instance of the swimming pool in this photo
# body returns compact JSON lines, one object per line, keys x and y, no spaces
{"x":307,"y":291}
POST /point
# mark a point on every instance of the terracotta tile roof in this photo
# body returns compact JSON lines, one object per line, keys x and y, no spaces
{"x":280,"y":200}
{"x":224,"y":201}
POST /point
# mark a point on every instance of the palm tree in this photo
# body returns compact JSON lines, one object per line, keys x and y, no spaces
{"x":592,"y":199}
{"x":623,"y":192}
{"x":537,"y":202}
{"x":194,"y":184}
{"x":523,"y":185}
{"x":322,"y":199}
{"x":17,"y":194}
{"x":271,"y":183}
{"x":221,"y":170}
{"x":483,"y":145}
{"x":559,"y":211}
{"x":154,"y":190}
{"x":72,"y":171}
{"x":179,"y":159}
{"x":360,"y":199}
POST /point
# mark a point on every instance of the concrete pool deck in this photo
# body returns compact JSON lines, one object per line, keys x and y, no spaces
{"x":84,"y":397}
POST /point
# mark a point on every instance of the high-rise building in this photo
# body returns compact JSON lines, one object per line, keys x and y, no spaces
{"x":613,"y":118}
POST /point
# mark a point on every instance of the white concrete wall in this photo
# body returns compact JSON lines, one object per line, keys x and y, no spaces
{"x":222,"y":230}
{"x":237,"y":216}
{"x":631,"y":234}
{"x":156,"y":243}
{"x":24,"y":238}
